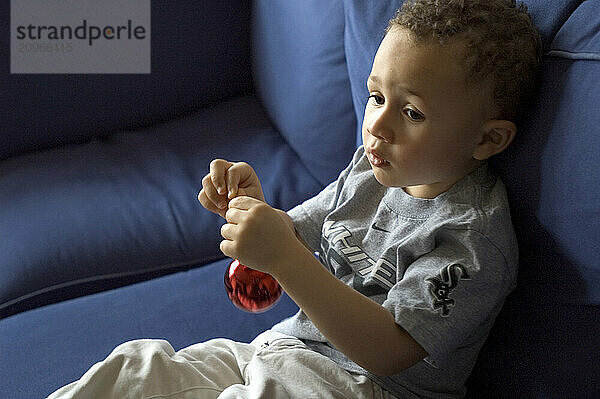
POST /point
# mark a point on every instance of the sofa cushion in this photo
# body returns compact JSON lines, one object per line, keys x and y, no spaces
{"x":550,"y":18}
{"x":545,"y":341}
{"x":551,"y":169}
{"x":578,"y":37}
{"x":46,"y":348}
{"x":364,"y":29}
{"x":87,"y":217}
{"x":552,"y":177}
{"x":200,"y":56}
{"x":301,"y":78}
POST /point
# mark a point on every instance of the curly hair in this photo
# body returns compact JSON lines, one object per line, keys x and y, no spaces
{"x":501,"y":43}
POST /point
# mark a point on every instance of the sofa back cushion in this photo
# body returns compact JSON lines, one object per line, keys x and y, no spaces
{"x":301,"y":78}
{"x":200,"y":55}
{"x":551,"y":173}
{"x":545,"y":342}
{"x":551,"y":169}
{"x":364,"y":30}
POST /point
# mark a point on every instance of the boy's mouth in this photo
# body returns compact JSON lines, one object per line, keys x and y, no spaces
{"x":376,"y":160}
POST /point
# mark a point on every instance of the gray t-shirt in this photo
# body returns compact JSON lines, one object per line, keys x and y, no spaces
{"x":441,"y":266}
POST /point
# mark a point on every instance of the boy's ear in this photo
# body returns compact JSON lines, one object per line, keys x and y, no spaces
{"x":497,"y":135}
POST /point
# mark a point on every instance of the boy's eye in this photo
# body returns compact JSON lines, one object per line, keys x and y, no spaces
{"x":413,"y":115}
{"x":377,"y":98}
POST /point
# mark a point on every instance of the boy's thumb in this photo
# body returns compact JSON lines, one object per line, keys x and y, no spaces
{"x":232,"y":185}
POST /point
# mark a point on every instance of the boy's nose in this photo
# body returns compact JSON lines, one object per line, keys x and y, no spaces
{"x":379,"y":127}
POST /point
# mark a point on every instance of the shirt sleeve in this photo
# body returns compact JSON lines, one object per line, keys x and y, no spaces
{"x":450,"y":297}
{"x":308,"y":217}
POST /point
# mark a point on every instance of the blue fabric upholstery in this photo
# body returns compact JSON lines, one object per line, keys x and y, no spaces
{"x":578,"y":37}
{"x":549,"y":19}
{"x":365,"y":26}
{"x":45,"y":348}
{"x":124,"y":208}
{"x":301,"y":78}
{"x":552,"y":177}
{"x":200,"y":56}
{"x":545,"y":342}
{"x":551,"y":174}
{"x":106,"y":193}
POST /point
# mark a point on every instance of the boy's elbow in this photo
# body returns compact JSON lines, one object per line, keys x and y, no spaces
{"x":397,"y":355}
{"x":386,"y":366}
{"x":386,"y":370}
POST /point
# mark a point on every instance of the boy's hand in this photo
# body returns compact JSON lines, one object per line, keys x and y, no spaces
{"x":257,"y":235}
{"x":225,"y":181}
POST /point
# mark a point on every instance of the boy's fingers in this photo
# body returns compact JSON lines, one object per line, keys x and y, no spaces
{"x":209,"y":205}
{"x":211,"y":193}
{"x":244,"y":203}
{"x":239,"y":174}
{"x":233,"y":216}
{"x":233,"y":181}
{"x":226,"y":247}
{"x":227,"y":231}
{"x":218,"y":168}
{"x":203,"y":199}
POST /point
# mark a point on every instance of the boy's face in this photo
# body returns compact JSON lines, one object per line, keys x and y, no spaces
{"x":422,"y":121}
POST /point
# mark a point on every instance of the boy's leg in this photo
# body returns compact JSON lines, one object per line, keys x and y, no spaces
{"x":284,"y":367}
{"x":272,"y":366}
{"x":151,"y":369}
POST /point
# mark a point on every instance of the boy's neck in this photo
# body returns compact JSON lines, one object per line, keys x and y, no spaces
{"x":430,"y":191}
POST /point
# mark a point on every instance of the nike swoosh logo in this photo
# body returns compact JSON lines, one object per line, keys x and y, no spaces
{"x":374,"y":226}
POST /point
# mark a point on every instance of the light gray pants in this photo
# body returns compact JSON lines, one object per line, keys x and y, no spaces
{"x":272,"y":366}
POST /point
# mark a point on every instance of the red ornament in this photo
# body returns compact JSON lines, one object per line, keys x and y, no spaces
{"x":249,"y":289}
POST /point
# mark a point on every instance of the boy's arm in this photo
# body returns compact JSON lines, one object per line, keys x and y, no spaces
{"x":362,"y":329}
{"x":261,"y":237}
{"x":288,"y":220}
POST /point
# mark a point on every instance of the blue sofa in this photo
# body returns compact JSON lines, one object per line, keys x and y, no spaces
{"x":102,"y":239}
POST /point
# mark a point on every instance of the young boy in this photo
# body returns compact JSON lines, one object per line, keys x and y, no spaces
{"x":415,"y":235}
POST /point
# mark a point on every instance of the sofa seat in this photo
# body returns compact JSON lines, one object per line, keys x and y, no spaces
{"x":121,"y":209}
{"x":56,"y":344}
